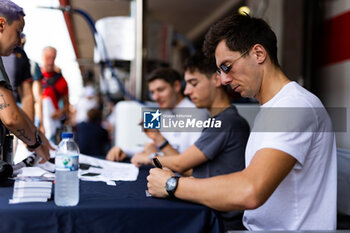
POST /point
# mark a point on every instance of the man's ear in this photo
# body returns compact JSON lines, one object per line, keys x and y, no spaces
{"x":177,"y":86}
{"x":2,"y":23}
{"x":260,"y":53}
{"x":216,"y":79}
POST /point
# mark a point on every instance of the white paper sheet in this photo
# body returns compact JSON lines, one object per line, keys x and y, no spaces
{"x":109,"y":171}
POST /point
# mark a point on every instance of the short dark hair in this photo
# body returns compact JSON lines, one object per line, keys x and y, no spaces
{"x":169,"y":75}
{"x":94,"y":115}
{"x":10,"y":11}
{"x":241,"y":33}
{"x":201,"y":63}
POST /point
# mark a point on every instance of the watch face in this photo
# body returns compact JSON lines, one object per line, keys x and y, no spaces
{"x":171,"y":184}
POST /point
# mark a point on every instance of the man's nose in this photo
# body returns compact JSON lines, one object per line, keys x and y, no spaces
{"x":187,"y":90}
{"x":155,"y":96}
{"x":225,"y":79}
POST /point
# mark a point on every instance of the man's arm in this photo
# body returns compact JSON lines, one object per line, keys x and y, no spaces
{"x":189,"y":159}
{"x":26,"y":94}
{"x":18,"y":122}
{"x":247,"y":189}
{"x":158,"y":139}
{"x":37,"y":93}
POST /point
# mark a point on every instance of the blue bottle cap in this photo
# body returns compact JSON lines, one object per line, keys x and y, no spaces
{"x":67,"y":135}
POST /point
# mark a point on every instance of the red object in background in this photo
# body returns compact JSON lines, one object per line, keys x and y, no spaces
{"x":335,"y":40}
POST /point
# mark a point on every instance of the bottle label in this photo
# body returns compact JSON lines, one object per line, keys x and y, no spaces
{"x":67,"y":162}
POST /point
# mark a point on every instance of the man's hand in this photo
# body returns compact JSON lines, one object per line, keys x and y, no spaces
{"x":156,"y":181}
{"x":45,"y":141}
{"x":43,"y":152}
{"x":57,"y":115}
{"x":115,"y":154}
{"x":140,"y":159}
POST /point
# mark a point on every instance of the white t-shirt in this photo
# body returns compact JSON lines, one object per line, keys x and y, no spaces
{"x":295,"y":121}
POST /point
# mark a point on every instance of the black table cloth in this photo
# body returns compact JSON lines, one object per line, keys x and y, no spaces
{"x":103,"y":208}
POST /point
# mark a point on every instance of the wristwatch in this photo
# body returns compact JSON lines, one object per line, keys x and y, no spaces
{"x":151,"y":156}
{"x":38,"y":141}
{"x":171,"y":185}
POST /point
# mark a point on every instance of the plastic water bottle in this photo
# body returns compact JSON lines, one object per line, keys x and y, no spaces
{"x":67,"y":164}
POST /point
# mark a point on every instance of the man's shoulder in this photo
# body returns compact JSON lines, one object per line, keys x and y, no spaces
{"x":296,"y":96}
{"x":230,"y":114}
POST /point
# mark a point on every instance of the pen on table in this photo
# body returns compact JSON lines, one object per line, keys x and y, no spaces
{"x":157,"y":163}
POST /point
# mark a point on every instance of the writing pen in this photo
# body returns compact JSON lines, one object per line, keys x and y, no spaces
{"x":157,"y":163}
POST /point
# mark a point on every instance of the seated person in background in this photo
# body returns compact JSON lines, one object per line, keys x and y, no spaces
{"x":91,"y":137}
{"x":165,"y":87}
{"x":219,"y":150}
{"x":87,"y":101}
{"x":290,"y":179}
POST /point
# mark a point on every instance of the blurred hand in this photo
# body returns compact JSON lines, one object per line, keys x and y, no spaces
{"x":57,"y":115}
{"x":140,"y":159}
{"x":115,"y":154}
{"x":153,"y":134}
{"x":45,"y":141}
{"x":156,"y":181}
{"x":43,"y":152}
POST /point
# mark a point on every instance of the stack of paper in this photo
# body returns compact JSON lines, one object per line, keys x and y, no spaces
{"x":31,"y":190}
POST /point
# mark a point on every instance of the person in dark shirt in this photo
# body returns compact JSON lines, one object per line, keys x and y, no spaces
{"x":218,"y":150}
{"x":17,"y":66}
{"x":13,"y":118}
{"x":91,"y":137}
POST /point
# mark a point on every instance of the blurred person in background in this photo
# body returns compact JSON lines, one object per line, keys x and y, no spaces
{"x":91,"y":137}
{"x":52,"y":88}
{"x":165,"y":87}
{"x":87,"y":101}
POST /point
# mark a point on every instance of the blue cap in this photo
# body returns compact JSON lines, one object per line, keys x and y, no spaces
{"x":67,"y":135}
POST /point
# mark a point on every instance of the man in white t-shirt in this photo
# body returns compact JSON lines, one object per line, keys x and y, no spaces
{"x":290,"y":180}
{"x":165,"y":87}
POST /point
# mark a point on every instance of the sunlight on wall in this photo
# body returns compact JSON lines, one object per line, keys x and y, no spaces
{"x":46,"y":27}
